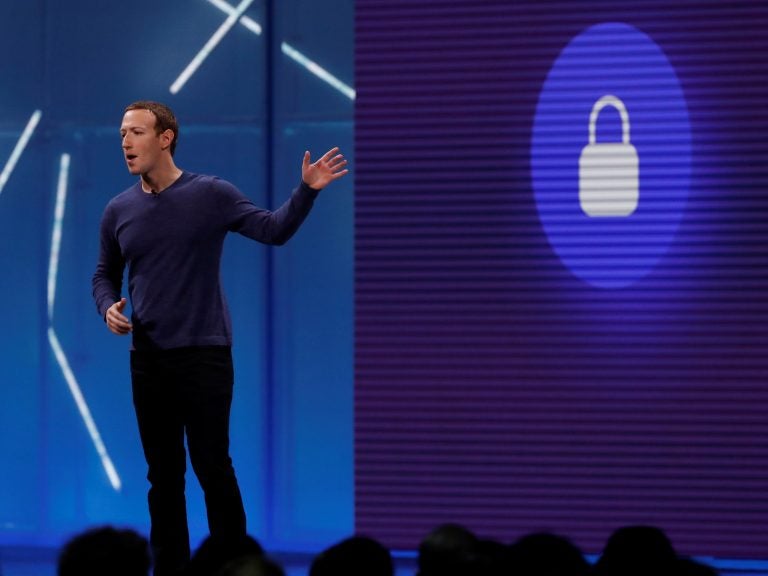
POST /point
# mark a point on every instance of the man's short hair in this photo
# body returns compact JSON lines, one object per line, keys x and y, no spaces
{"x":164,"y":118}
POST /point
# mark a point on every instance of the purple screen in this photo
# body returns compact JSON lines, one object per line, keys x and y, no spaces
{"x":520,"y":364}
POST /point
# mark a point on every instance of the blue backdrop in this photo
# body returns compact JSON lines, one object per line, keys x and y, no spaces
{"x":278,"y":82}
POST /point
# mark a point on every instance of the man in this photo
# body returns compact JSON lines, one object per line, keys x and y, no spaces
{"x":169,"y":229}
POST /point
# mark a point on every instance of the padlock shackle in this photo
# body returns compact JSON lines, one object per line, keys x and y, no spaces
{"x":609,"y":100}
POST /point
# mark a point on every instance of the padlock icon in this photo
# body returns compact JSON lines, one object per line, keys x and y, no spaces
{"x":609,"y":177}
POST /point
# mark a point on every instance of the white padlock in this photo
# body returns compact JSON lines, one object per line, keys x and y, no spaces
{"x":609,"y":172}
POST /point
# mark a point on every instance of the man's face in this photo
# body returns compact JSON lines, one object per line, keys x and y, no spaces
{"x":142,"y":147}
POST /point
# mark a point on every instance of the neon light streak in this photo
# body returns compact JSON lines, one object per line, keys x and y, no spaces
{"x":58,"y":218}
{"x":287,"y":49}
{"x":85,"y":412}
{"x":61,"y":358}
{"x":19,"y":148}
{"x":246,"y":21}
{"x":213,"y":41}
{"x":317,"y":70}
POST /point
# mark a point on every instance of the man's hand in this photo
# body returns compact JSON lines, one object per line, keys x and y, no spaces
{"x":328,"y":168}
{"x":116,"y":322}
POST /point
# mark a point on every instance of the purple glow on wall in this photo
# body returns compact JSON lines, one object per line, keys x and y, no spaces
{"x":493,"y":387}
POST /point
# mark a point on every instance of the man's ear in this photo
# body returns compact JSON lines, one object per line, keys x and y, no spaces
{"x":166,"y":138}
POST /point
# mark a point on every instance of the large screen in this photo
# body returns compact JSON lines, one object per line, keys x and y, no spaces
{"x":561,"y":285}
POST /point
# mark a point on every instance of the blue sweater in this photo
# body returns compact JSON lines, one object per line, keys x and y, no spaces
{"x":172,"y":244}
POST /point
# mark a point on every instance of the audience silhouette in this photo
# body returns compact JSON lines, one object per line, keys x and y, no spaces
{"x":214,"y":555}
{"x":447,"y":550}
{"x":250,"y":566}
{"x":354,"y":555}
{"x":637,"y":551}
{"x":105,"y":551}
{"x":546,"y":554}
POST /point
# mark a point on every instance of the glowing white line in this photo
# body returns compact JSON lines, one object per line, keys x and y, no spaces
{"x":19,"y":148}
{"x":246,"y":21}
{"x":85,"y":413}
{"x":318,"y":70}
{"x":58,"y":218}
{"x":61,"y":358}
{"x":287,"y":49}
{"x":213,"y":41}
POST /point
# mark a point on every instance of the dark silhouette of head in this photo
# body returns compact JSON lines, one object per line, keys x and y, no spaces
{"x":490,"y":558}
{"x":543,"y":553}
{"x":251,"y":566}
{"x":105,"y":550}
{"x":449,"y":550}
{"x":356,"y":555}
{"x":214,"y":554}
{"x":637,"y":551}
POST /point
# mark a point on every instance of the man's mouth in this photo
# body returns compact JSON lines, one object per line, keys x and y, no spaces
{"x":130,"y":157}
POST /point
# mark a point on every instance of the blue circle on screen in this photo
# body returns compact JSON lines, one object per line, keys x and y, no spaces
{"x":616,"y":59}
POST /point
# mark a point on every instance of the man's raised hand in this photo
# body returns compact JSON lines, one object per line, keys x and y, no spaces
{"x":330,"y":167}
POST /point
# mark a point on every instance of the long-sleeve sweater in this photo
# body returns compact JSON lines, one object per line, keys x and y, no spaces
{"x":171,"y":243}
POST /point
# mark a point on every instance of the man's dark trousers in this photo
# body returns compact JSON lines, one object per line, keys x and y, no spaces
{"x":178,"y":391}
